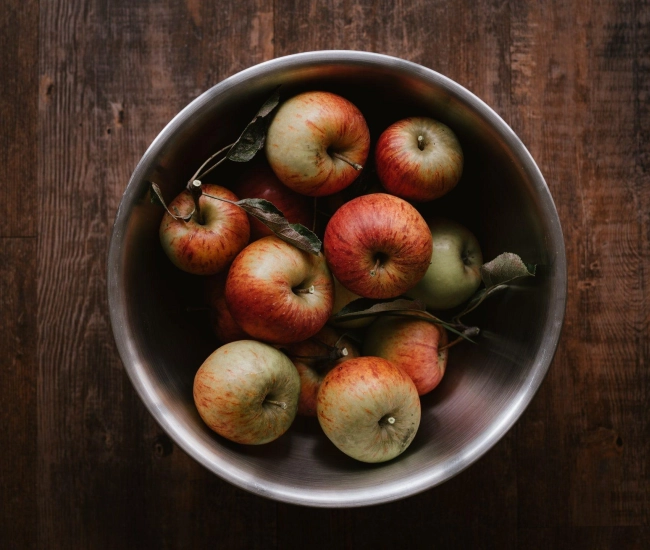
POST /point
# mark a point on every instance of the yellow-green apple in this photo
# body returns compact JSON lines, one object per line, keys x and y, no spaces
{"x":314,"y":358}
{"x":369,"y":408}
{"x":207,"y":245}
{"x":418,"y":159}
{"x":377,"y":246}
{"x":412,"y":344}
{"x":317,"y":143}
{"x":223,"y":325}
{"x":455,"y":271}
{"x":259,"y":182}
{"x":278,"y":293}
{"x":247,"y":391}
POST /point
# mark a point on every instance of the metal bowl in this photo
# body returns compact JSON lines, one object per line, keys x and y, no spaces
{"x":502,"y":197}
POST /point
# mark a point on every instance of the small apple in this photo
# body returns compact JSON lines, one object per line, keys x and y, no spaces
{"x":369,"y":408}
{"x":314,"y":358}
{"x":317,"y":142}
{"x":377,"y":245}
{"x":260,"y":182}
{"x":455,"y":271}
{"x":412,"y":344}
{"x":419,"y":159}
{"x":205,"y":246}
{"x":278,"y":293}
{"x":223,"y":325}
{"x":247,"y":392}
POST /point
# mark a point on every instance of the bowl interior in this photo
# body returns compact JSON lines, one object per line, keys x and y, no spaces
{"x":502,"y":197}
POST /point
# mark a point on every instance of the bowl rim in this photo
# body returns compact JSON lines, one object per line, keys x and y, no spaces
{"x":393,"y":490}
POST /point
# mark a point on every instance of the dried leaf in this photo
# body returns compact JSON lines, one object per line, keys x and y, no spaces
{"x":367,"y":307}
{"x":496,"y":275}
{"x":293,"y":233}
{"x":505,"y":268}
{"x":157,"y":198}
{"x":252,"y":138}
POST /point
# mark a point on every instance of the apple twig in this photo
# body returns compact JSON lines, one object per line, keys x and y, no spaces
{"x":354,"y":165}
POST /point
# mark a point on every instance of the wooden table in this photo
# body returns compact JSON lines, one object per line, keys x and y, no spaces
{"x":84,"y":89}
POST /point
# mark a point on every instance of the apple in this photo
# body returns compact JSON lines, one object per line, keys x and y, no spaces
{"x":278,"y":293}
{"x":260,"y":182}
{"x":247,"y":391}
{"x":455,"y":271}
{"x":204,"y":246}
{"x":412,"y":344}
{"x":369,"y":408}
{"x":223,"y":325}
{"x":317,"y":142}
{"x":418,"y":159}
{"x":314,"y":358}
{"x":377,"y":245}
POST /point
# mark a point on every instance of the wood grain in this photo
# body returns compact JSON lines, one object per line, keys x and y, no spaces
{"x":18,"y":214}
{"x":87,"y":85}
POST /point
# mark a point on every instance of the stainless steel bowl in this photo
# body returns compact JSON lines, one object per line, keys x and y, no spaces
{"x":502,"y":197}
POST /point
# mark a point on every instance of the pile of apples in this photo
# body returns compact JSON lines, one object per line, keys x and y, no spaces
{"x":284,"y":351}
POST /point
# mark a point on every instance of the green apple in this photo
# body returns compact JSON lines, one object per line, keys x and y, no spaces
{"x":455,"y":271}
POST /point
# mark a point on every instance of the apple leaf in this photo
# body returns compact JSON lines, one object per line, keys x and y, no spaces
{"x":157,"y":198}
{"x":505,"y":268}
{"x":496,"y":275}
{"x":367,"y":307}
{"x":293,"y":233}
{"x":402,"y":307}
{"x":252,"y":138}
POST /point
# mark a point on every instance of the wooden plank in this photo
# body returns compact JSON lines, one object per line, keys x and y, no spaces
{"x":577,"y":103}
{"x":18,"y":392}
{"x":116,"y":73}
{"x":18,"y":213}
{"x":594,"y":538}
{"x":19,"y":116}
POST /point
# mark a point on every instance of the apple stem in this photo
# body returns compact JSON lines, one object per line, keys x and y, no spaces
{"x":280,"y":404}
{"x":421,"y":143}
{"x":354,"y":165}
{"x":198,"y":173}
{"x":373,"y":271}
{"x":390,"y":420}
{"x":468,"y":332}
{"x":309,"y":290}
{"x":196,"y":189}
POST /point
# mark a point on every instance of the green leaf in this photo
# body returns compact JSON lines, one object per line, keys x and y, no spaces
{"x":252,"y":138}
{"x":293,"y":233}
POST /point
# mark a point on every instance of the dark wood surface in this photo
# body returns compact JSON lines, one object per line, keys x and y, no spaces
{"x":86,"y":86}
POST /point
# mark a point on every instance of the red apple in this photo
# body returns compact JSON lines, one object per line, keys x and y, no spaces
{"x":418,"y":159}
{"x":260,"y":182}
{"x":412,"y":344}
{"x":314,"y":358}
{"x":317,"y":142}
{"x":247,"y":392}
{"x":369,"y":408}
{"x":205,"y":246}
{"x":278,"y":293}
{"x":223,"y":325}
{"x":377,"y":246}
